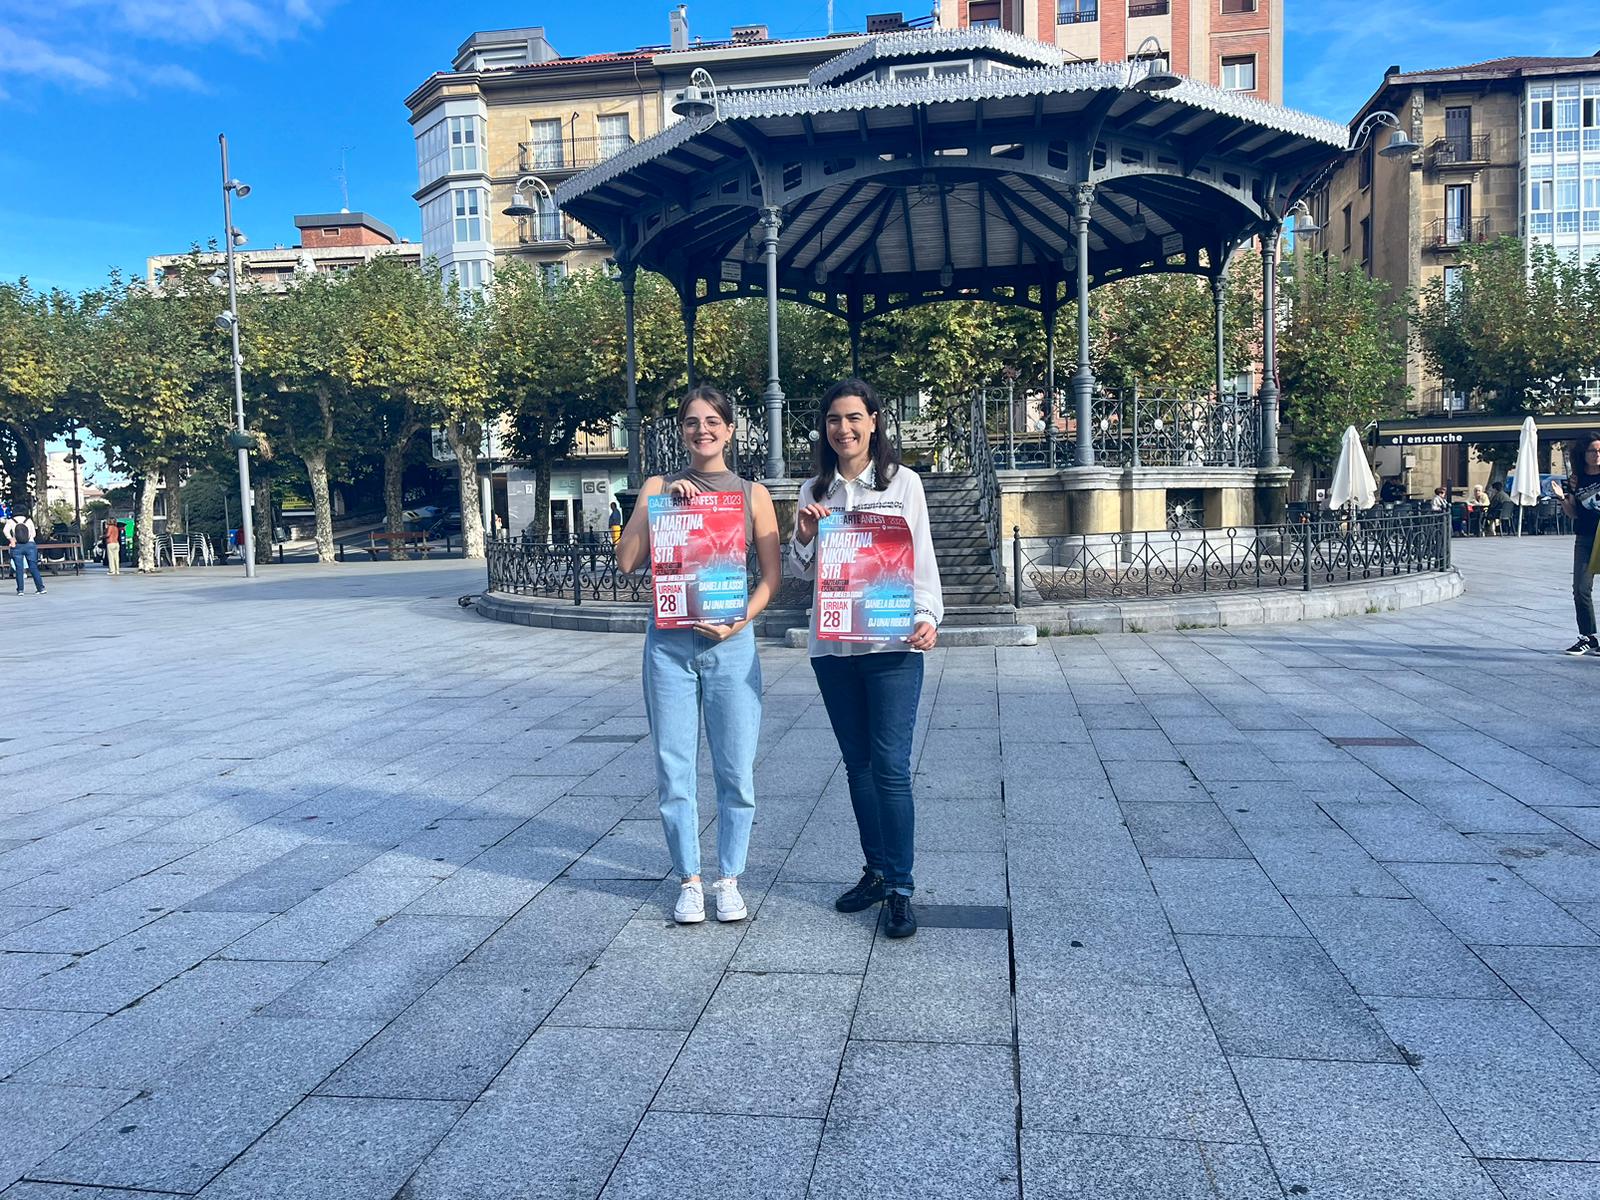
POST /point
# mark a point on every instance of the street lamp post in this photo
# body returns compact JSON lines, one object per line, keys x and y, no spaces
{"x":73,"y":443}
{"x":241,"y":439}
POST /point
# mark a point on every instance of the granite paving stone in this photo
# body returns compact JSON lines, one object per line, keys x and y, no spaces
{"x":1124,"y":1059}
{"x":556,"y":1120}
{"x":682,"y":1154}
{"x":1546,"y":1180}
{"x":1506,"y":1080}
{"x":654,"y":975}
{"x":766,"y":1045}
{"x":920,"y":1120}
{"x":1281,"y":998}
{"x":797,"y":929}
{"x":25,"y":1034}
{"x":1560,"y":983}
{"x":1395,"y":947}
{"x":1222,"y":896}
{"x":1357,"y":1131}
{"x":342,"y":1149}
{"x":1066,"y":1166}
{"x":944,"y":985}
{"x":1490,"y":904}
{"x":1096,"y":939}
{"x":40,"y":1118}
{"x":176,"y":1020}
{"x":178,"y":1133}
{"x":1183,"y":830}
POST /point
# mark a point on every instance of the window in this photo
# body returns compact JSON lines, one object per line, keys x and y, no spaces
{"x":1239,"y":73}
{"x":1238,"y":6}
{"x":545,"y":145}
{"x":473,"y":274}
{"x":1452,"y":282}
{"x":468,"y":205}
{"x":985,"y":15}
{"x":1458,"y":133}
{"x":1364,"y":167}
{"x":1076,"y":12}
{"x":464,"y":143}
{"x":330,"y":233}
{"x":1541,"y":114}
{"x":1366,"y":241}
{"x":1457,"y":214}
{"x":552,"y":273}
{"x":1347,"y":227}
{"x":614,"y":134}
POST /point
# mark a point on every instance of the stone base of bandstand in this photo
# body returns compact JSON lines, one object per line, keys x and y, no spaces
{"x":1101,"y":500}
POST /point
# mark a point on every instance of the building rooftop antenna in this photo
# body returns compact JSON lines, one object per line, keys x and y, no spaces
{"x":344,"y":178}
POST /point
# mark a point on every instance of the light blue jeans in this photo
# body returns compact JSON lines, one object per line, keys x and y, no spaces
{"x":687,"y":675}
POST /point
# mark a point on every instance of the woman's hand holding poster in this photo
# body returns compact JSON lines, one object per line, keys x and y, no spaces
{"x":697,"y":559}
{"x":865,"y":590}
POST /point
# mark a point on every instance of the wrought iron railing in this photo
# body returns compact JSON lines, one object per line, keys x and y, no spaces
{"x":1069,"y":15}
{"x":568,"y":154}
{"x":581,"y":571}
{"x":1309,"y":554}
{"x":980,"y":459}
{"x":1454,"y":150}
{"x":1131,"y":430}
{"x":1444,"y":232}
{"x":1154,"y":8}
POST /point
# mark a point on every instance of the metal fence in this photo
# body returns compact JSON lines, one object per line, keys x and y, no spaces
{"x":586,"y":571}
{"x":1173,"y":562}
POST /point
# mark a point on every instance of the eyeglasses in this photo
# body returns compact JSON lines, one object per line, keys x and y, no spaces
{"x":709,"y":424}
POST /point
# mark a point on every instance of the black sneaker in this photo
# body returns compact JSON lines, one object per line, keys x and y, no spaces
{"x":901,"y":922}
{"x":864,"y":895}
{"x":1586,"y":644}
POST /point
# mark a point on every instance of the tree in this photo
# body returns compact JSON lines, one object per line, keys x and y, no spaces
{"x":553,"y":364}
{"x":1517,"y":327}
{"x":156,"y":369}
{"x":1159,"y":331}
{"x":40,"y":338}
{"x":1342,"y":359}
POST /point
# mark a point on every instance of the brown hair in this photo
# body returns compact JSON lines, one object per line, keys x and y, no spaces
{"x":712,"y":397}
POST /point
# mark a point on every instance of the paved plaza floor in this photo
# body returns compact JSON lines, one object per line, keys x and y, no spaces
{"x":322,"y":886}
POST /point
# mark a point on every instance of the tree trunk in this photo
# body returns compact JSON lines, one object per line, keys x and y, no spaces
{"x":144,"y":532}
{"x":39,"y":453}
{"x":261,"y":513}
{"x":174,"y":490}
{"x":541,"y":499}
{"x":317,"y":472}
{"x":465,"y":438}
{"x":393,"y":503}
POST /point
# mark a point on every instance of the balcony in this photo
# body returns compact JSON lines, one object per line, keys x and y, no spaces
{"x":1457,"y":152}
{"x":1071,"y":14}
{"x":547,"y":229}
{"x":1159,"y":8}
{"x":1446,"y":233}
{"x":569,"y":154}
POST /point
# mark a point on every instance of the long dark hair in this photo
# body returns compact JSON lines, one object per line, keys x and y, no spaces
{"x":879,"y":448}
{"x":1577,"y":453}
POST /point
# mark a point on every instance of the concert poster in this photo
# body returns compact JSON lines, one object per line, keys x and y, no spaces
{"x":865,"y":581}
{"x":697,"y":559}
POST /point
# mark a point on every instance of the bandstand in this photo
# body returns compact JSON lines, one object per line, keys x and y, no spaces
{"x":931,"y":166}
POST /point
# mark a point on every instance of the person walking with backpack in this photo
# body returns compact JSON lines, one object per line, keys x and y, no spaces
{"x":23,"y":547}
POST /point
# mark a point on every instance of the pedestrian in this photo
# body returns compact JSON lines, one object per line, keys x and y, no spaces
{"x":113,"y":540}
{"x":1497,"y":506}
{"x":871,"y":689}
{"x":1440,"y":502}
{"x":709,"y":675}
{"x":614,"y":521}
{"x":1581,"y":503}
{"x":1478,"y":509}
{"x":22,"y":545}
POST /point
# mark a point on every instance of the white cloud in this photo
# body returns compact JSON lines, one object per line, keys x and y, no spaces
{"x":115,"y":46}
{"x":1336,"y":50}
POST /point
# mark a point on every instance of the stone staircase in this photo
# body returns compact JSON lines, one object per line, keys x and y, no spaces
{"x":973,"y":593}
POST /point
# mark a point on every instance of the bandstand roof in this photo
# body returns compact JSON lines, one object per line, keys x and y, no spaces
{"x":933,"y":165}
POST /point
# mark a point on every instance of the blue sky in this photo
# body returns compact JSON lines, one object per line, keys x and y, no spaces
{"x":112,"y":107}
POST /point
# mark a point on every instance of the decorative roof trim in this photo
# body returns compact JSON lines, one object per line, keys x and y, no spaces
{"x":865,"y":94}
{"x":907,"y":43}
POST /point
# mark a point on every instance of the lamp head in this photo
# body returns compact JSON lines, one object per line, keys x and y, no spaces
{"x":238,"y":238}
{"x":693,"y":103}
{"x":240,"y":190}
{"x":947,"y":276}
{"x":519,"y":206}
{"x":1157,"y":78}
{"x":226,"y":319}
{"x":1399,"y":145}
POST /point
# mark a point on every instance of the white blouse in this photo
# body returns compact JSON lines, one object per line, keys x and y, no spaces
{"x":902,"y":498}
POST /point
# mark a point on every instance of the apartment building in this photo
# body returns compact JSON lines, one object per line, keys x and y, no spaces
{"x":326,"y":242}
{"x":1233,"y":44}
{"x":514,"y":118}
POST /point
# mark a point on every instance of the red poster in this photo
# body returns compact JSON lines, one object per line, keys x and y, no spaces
{"x":697,"y":558}
{"x":865,"y":579}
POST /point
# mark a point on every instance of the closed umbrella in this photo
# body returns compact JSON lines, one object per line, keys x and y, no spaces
{"x":1525,"y":486}
{"x":1352,"y":477}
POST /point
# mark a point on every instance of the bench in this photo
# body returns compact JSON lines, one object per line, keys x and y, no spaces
{"x":395,"y":541}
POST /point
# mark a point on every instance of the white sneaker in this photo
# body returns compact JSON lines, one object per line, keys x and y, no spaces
{"x":730,"y":905}
{"x":691,"y":906}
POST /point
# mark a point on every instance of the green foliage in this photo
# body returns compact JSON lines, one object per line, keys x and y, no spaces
{"x":41,"y":344}
{"x":1342,"y":359}
{"x":1519,"y":328}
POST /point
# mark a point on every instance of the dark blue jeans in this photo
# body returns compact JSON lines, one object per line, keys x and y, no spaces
{"x":1582,"y":582}
{"x":872,"y":704}
{"x":26,"y":558}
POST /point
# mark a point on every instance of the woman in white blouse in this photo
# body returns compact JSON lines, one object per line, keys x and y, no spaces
{"x":871,"y":689}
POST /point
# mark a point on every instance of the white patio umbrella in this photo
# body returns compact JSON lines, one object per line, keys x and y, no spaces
{"x":1352,"y":476}
{"x":1525,"y":488}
